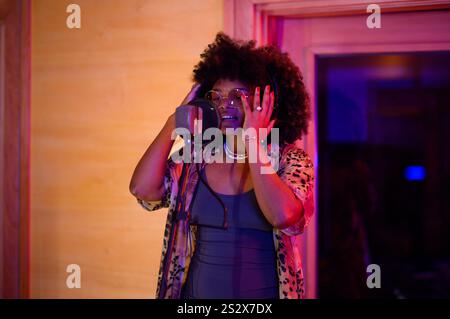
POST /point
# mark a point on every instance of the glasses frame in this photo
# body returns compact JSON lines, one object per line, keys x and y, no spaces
{"x":226,"y":98}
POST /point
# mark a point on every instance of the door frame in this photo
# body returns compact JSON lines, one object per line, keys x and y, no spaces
{"x":15,"y":18}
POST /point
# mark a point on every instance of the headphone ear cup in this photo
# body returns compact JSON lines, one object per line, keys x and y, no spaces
{"x":185,"y":116}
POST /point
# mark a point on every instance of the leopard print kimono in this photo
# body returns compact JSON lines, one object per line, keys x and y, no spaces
{"x":295,"y":169}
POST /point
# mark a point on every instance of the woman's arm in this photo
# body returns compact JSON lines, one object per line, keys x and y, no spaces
{"x":277,"y":201}
{"x":281,"y":201}
{"x":147,"y":182}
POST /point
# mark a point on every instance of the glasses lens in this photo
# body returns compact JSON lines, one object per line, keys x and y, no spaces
{"x":234,"y":98}
{"x":214,"y":97}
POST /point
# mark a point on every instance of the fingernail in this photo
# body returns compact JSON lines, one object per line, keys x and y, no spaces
{"x":267,"y":87}
{"x":257,"y":89}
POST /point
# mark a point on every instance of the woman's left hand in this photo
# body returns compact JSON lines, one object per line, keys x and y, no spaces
{"x":259,"y":116}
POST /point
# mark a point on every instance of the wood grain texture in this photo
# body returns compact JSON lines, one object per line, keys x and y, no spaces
{"x":100,"y":95}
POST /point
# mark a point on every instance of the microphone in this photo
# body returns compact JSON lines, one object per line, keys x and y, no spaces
{"x":197,"y":109}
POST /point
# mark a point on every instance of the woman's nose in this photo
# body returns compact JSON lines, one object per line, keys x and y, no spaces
{"x":223,"y":105}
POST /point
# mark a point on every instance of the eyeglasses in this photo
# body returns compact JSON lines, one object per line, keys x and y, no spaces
{"x":233,"y":98}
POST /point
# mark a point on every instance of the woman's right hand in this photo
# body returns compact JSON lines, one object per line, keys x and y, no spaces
{"x":192,"y":94}
{"x":154,"y":161}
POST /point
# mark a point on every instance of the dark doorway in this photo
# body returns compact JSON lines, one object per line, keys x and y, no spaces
{"x":384,"y":174}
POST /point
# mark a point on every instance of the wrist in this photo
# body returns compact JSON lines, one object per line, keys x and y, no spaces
{"x":253,"y":139}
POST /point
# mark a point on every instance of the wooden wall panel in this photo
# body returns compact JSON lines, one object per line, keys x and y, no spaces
{"x":100,"y":95}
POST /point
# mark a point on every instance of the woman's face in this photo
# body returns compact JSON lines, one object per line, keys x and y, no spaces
{"x":230,"y":107}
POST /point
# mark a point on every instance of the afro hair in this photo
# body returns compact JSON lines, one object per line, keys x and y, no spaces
{"x":226,"y":58}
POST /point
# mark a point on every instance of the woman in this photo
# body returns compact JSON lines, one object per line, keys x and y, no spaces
{"x":232,"y":231}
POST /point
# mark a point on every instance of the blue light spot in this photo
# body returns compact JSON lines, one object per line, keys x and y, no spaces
{"x":415,"y":173}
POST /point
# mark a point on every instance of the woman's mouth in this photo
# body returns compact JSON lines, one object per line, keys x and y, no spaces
{"x":229,"y":117}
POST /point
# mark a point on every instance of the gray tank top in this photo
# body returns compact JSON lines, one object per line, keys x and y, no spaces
{"x":243,"y":209}
{"x":234,"y":263}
